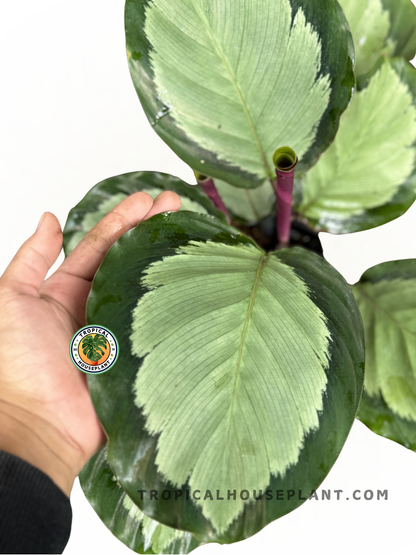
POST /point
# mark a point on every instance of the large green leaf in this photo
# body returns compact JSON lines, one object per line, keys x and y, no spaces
{"x":225,"y":83}
{"x":237,"y":371}
{"x":367,"y":176}
{"x":386,"y":295}
{"x":105,"y":196}
{"x":123,"y":518}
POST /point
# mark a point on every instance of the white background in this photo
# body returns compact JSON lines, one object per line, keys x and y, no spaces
{"x":70,"y":118}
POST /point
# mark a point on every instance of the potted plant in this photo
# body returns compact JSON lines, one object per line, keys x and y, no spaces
{"x":348,"y":178}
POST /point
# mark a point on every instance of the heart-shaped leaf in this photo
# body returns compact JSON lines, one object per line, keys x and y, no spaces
{"x":123,"y":518}
{"x":105,"y":196}
{"x":386,"y":295}
{"x":239,"y":372}
{"x":367,"y":176}
{"x":225,"y":83}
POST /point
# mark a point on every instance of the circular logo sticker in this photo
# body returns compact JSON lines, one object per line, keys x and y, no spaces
{"x":94,"y":349}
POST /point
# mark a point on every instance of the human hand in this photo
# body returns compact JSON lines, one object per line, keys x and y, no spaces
{"x":47,"y":417}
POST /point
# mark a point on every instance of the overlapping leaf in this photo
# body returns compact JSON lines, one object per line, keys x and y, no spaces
{"x":380,"y":28}
{"x":105,"y":196}
{"x":237,"y":371}
{"x":403,"y":27}
{"x":123,"y":518}
{"x":250,"y":206}
{"x":367,"y":176}
{"x":370,"y":26}
{"x":225,"y":83}
{"x":386,"y":295}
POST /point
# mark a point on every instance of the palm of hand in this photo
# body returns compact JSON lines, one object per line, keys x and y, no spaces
{"x":38,"y":375}
{"x":42,"y":395}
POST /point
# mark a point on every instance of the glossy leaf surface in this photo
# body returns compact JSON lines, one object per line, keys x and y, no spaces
{"x":123,"y":518}
{"x":105,"y":196}
{"x":367,"y":176}
{"x":225,"y":83}
{"x":237,"y":371}
{"x":386,"y":295}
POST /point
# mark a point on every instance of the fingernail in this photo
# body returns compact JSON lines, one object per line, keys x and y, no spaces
{"x":41,"y":220}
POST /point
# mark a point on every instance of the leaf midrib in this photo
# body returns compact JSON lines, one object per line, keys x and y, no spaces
{"x":253,"y":295}
{"x":236,"y":87}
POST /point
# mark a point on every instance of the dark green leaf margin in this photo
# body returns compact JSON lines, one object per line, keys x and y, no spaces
{"x":127,"y":184}
{"x":107,"y":498}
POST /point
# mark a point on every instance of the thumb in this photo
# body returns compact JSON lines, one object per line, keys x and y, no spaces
{"x":27,"y":270}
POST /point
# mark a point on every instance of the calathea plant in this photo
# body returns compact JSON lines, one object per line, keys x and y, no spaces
{"x":241,"y":363}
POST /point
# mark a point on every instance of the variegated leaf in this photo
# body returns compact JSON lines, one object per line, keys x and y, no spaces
{"x":386,"y":295}
{"x":105,"y":196}
{"x":226,"y":82}
{"x":123,"y":518}
{"x":367,"y":176}
{"x":238,"y":371}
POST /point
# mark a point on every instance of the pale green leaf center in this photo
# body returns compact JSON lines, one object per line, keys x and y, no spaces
{"x":233,"y":372}
{"x":239,"y":79}
{"x":388,"y":308}
{"x":372,"y":155}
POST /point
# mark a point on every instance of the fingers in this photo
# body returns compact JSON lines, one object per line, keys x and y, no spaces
{"x":84,"y":260}
{"x":27,"y":270}
{"x":168,"y":201}
{"x":71,"y":283}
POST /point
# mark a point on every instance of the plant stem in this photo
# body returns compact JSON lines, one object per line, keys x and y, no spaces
{"x":285,"y":161}
{"x":207,"y":183}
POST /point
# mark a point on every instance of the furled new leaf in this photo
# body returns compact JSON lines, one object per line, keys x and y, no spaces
{"x":105,"y":196}
{"x":123,"y":518}
{"x":386,"y":295}
{"x":367,"y":176}
{"x":224,"y":83}
{"x":239,"y":372}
